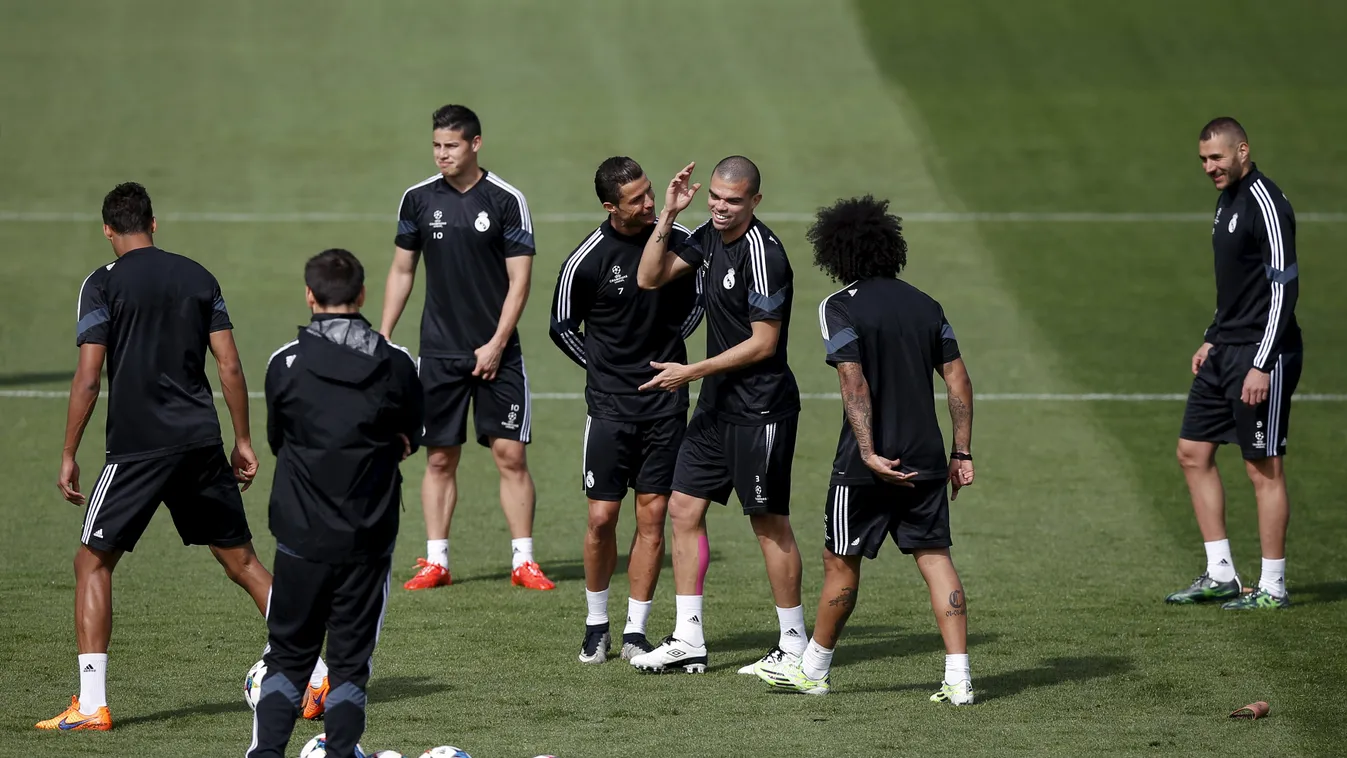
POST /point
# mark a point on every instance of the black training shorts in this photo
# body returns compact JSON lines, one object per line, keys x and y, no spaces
{"x":1216,"y":414}
{"x":622,"y":455}
{"x":501,"y":407}
{"x":718,"y":457}
{"x":860,"y":516}
{"x":198,"y":486}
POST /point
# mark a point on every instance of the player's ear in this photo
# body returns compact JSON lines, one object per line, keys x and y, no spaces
{"x":477,"y":143}
{"x":154,"y":225}
{"x":310,"y":299}
{"x":107,"y":232}
{"x":610,"y":208}
{"x":752,"y":204}
{"x":360,"y":299}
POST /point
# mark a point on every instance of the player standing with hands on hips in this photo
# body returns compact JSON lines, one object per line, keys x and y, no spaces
{"x":1246,"y":370}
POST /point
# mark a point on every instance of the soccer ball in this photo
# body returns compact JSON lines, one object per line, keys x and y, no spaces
{"x":388,"y":754}
{"x":252,"y":684}
{"x":317,"y":748}
{"x":445,"y":751}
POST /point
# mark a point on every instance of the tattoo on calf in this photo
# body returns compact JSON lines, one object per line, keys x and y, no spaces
{"x":956,"y":604}
{"x":846,"y":600}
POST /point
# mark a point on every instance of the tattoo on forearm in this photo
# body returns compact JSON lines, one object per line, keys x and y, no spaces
{"x":956,"y":604}
{"x":961,"y":418}
{"x":660,"y":237}
{"x":856,"y":401}
{"x":845,"y":600}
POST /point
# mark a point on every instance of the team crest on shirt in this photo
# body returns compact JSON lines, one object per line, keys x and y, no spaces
{"x":482,"y":223}
{"x":618,"y":276}
{"x":728,"y":281}
{"x":1233,"y":220}
{"x":439,"y":221}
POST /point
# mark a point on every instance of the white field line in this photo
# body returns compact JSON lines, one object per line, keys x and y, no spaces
{"x":1031,"y":397}
{"x":297,"y":217}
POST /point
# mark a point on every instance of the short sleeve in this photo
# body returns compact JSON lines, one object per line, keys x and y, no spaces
{"x":841,"y":343}
{"x":219,"y":312}
{"x":949,"y":344}
{"x":91,"y":312}
{"x":409,"y":224}
{"x":769,"y":278}
{"x":688,"y":245}
{"x":517,"y":223}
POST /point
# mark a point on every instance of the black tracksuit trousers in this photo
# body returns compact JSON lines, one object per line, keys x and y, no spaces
{"x":345,"y":601}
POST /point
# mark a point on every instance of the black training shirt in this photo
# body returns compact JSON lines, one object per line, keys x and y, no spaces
{"x":899,"y":335}
{"x":748,"y":279}
{"x":155,"y":312}
{"x":1253,"y":238}
{"x":464,"y":238}
{"x":625,"y":327}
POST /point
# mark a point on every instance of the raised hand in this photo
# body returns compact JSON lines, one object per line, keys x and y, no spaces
{"x":679,"y":194}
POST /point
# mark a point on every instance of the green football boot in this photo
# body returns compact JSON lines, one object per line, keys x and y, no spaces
{"x":1258,"y":600}
{"x":1204,"y":589}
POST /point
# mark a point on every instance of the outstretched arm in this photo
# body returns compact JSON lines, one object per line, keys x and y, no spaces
{"x":758,"y":347}
{"x":659,"y":266}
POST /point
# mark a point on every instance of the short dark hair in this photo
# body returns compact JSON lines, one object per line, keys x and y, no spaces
{"x":1223,"y":125}
{"x":335,"y":277}
{"x":458,"y":118}
{"x":737,"y":168}
{"x":127,"y":209}
{"x":858,"y":239}
{"x":612,"y":175}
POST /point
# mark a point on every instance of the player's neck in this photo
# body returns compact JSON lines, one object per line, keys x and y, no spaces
{"x":123,"y":244}
{"x":467,"y":179}
{"x":629,"y":231}
{"x":336,"y":310}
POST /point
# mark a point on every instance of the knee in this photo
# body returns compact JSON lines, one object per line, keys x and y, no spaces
{"x":684,"y":513}
{"x":511,"y":460}
{"x":441,"y":463}
{"x":1194,"y":456}
{"x":1265,"y":472}
{"x":602,"y":523}
{"x":237,"y":563}
{"x":773,"y":528}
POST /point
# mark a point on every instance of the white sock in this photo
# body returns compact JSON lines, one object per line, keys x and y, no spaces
{"x":792,"y":639}
{"x":1220,"y":566}
{"x":598,"y":607}
{"x":956,"y":669}
{"x":688,"y":623}
{"x":638,"y":611}
{"x":437,"y":552}
{"x":521,"y":552}
{"x":319,"y":673}
{"x":1273,"y":580}
{"x":93,"y":682}
{"x":816,"y":661}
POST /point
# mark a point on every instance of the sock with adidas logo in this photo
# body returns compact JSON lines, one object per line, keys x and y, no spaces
{"x":93,"y":682}
{"x":1273,"y":580}
{"x":688,"y":623}
{"x":792,"y":639}
{"x":1220,"y":565}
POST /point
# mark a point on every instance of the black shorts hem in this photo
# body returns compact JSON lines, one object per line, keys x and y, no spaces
{"x":428,"y":444}
{"x":606,"y":497}
{"x":911,"y":547}
{"x":868,"y":553}
{"x":485,"y":439}
{"x":105,"y":546}
{"x":225,"y":543}
{"x":700,"y":495}
{"x":646,"y":489}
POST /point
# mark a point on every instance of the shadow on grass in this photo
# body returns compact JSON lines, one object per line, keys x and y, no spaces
{"x":859,"y":643}
{"x":1319,"y":593}
{"x":380,"y":690}
{"x":1050,"y":672}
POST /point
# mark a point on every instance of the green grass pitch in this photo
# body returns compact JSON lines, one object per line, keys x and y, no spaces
{"x":1078,"y":524}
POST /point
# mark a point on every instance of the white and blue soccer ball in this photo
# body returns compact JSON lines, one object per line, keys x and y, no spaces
{"x":388,"y":754}
{"x":252,"y":684}
{"x":317,"y":748}
{"x":445,"y":751}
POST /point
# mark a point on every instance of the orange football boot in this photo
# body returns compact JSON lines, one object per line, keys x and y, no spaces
{"x":315,"y":700}
{"x":430,"y":575}
{"x":530,"y":575}
{"x":71,"y":719}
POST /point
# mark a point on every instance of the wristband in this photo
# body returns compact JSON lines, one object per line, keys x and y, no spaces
{"x":957,"y":456}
